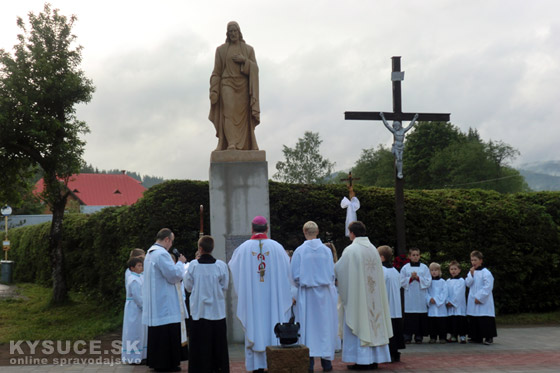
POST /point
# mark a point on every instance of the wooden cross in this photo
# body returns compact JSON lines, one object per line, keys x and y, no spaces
{"x":350,"y":179}
{"x":397,"y":115}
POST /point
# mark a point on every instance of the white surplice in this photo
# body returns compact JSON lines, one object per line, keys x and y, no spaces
{"x":456,"y":295}
{"x":162,"y":302}
{"x":415,"y":291}
{"x":134,"y":333}
{"x":313,"y":273}
{"x":351,"y":207}
{"x":367,"y":318}
{"x":393,"y":285}
{"x":262,"y":302}
{"x":480,"y":285}
{"x":207,"y":284}
{"x":438,"y":292}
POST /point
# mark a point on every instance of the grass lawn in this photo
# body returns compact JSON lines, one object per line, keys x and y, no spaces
{"x":529,"y":319}
{"x":31,"y":317}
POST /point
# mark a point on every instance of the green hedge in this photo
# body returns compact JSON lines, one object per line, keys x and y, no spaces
{"x":518,"y":234}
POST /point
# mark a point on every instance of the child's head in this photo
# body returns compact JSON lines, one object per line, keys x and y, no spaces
{"x":135,"y":253}
{"x":476,"y":258}
{"x":454,"y":268}
{"x":386,"y":253}
{"x":310,"y":229}
{"x":206,"y":244}
{"x":330,"y":245}
{"x":136,"y":265}
{"x":435,"y":269}
{"x":414,"y":255}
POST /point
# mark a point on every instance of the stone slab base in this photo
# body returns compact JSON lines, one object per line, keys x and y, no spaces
{"x":238,"y":156}
{"x":287,"y":359}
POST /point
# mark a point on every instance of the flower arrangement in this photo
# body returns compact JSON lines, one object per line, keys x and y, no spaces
{"x":400,"y":261}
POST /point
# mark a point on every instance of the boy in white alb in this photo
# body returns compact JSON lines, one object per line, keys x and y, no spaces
{"x":456,"y":305}
{"x":393,"y":284}
{"x":415,"y":279}
{"x":134,"y":334}
{"x":436,"y":299}
{"x":207,"y":280}
{"x":480,"y":304}
{"x":134,"y":253}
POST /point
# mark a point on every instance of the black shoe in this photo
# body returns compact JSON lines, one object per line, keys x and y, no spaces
{"x":326,"y":365}
{"x":396,"y":357}
{"x":488,"y":341}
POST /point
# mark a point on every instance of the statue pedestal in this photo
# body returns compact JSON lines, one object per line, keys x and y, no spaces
{"x":238,"y":193}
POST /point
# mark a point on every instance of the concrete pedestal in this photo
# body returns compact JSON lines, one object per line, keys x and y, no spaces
{"x":238,"y":193}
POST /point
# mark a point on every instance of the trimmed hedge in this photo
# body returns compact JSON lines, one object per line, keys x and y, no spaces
{"x":518,"y":234}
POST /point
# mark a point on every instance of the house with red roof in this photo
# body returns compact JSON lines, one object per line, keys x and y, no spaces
{"x":92,"y":192}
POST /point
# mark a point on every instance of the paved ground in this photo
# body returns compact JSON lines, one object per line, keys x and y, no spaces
{"x":515,"y":350}
{"x":6,"y":291}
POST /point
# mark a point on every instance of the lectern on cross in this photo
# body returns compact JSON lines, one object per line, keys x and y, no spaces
{"x":397,"y":115}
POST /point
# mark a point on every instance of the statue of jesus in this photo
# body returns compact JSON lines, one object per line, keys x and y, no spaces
{"x":398,"y":140}
{"x":234,"y":93}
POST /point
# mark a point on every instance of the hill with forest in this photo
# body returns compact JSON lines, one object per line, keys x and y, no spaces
{"x":146,"y":180}
{"x":541,"y":176}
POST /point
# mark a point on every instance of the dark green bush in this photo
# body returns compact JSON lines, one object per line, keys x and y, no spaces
{"x":518,"y":234}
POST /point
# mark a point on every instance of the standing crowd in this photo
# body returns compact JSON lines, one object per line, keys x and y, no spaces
{"x":352,"y":304}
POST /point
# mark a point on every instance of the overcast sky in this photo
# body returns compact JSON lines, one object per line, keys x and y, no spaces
{"x":494,"y":65}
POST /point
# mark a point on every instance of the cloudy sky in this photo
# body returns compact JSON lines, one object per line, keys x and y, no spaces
{"x":493,"y":64}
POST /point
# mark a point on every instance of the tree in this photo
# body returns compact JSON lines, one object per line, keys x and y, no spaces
{"x":420,"y":146}
{"x":375,"y":167}
{"x":460,"y":165}
{"x":439,"y":155}
{"x":304,"y":164}
{"x":39,"y":88}
{"x":146,"y":180}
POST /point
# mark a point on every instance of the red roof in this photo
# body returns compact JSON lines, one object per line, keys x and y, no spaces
{"x":103,"y":189}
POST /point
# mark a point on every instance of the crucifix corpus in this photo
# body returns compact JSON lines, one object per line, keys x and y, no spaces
{"x":397,"y":116}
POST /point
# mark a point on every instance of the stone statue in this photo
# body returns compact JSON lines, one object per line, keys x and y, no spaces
{"x":398,"y":140}
{"x":234,"y":93}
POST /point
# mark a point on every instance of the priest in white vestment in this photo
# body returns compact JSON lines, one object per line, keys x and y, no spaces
{"x":260,"y":269}
{"x":351,"y":205}
{"x":313,"y":273}
{"x":367,"y":319}
{"x":163,"y":305}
